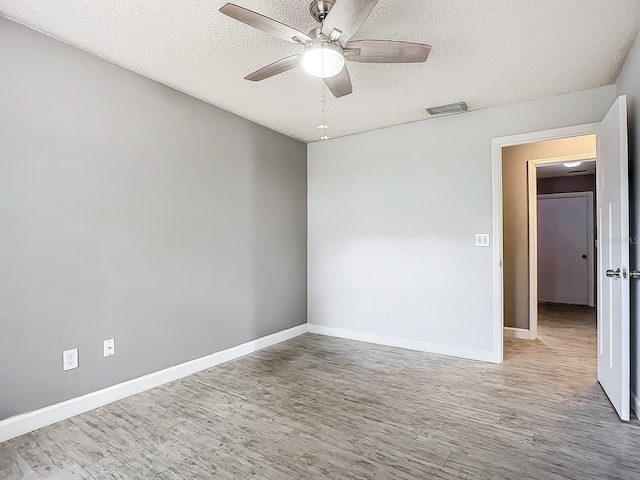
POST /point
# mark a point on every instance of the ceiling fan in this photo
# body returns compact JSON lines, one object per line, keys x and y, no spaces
{"x":327,"y":47}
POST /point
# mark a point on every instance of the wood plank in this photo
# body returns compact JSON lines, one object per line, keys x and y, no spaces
{"x":318,"y":407}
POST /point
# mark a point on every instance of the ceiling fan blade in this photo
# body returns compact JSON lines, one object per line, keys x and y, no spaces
{"x":265,"y":24}
{"x":340,"y":85}
{"x":275,"y":68}
{"x":346,"y":17}
{"x":386,"y":51}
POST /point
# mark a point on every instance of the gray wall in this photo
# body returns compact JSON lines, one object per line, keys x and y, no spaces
{"x":516,"y":217}
{"x":629,"y":84}
{"x":393,"y":216}
{"x":130,"y":210}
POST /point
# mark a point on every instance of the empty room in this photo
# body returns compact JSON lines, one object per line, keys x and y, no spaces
{"x":309,"y":239}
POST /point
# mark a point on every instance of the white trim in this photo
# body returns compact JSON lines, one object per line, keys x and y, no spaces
{"x":497,"y":144}
{"x":461,"y":352}
{"x":27,"y":422}
{"x":521,"y":333}
{"x":635,"y":405}
{"x":532,"y":224}
{"x":498,"y":273}
{"x":582,"y":157}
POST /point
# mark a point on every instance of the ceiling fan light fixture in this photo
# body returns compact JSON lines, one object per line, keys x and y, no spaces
{"x":572,"y":164}
{"x":323,"y":60}
{"x":325,"y":46}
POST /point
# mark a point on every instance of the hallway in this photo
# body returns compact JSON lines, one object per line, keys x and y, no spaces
{"x":562,"y":361}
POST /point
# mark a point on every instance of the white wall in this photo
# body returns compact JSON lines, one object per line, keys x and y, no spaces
{"x":392,"y":216}
{"x":629,"y":84}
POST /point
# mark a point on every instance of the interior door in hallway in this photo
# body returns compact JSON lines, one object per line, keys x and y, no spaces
{"x":565,"y":248}
{"x":613,"y":257}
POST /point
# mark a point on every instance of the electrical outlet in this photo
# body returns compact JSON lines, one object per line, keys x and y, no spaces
{"x":482,"y":240}
{"x":70,"y":359}
{"x":109,"y":347}
{"x":383,"y":312}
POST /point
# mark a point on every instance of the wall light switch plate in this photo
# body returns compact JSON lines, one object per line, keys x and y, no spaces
{"x":70,"y":359}
{"x":109,"y":347}
{"x":482,"y":240}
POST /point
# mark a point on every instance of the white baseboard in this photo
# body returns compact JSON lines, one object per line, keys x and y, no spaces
{"x":521,"y":333}
{"x":481,"y":355}
{"x":27,"y":422}
{"x":635,"y":404}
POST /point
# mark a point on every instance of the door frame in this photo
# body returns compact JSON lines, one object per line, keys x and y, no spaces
{"x":532,"y":191}
{"x":497,"y":144}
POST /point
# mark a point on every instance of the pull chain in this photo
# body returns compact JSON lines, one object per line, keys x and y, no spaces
{"x":323,"y":110}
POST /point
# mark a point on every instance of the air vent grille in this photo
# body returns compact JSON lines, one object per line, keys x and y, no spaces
{"x":448,"y":109}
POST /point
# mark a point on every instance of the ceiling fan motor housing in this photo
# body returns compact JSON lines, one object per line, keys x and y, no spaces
{"x":320,"y":9}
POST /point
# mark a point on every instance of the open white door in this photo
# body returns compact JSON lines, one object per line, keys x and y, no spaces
{"x":613,"y":257}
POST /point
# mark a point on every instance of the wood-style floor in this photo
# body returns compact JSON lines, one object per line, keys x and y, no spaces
{"x":319,"y":407}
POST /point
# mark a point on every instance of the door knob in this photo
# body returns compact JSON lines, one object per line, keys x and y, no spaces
{"x":584,"y":256}
{"x":613,"y":273}
{"x":634,"y":274}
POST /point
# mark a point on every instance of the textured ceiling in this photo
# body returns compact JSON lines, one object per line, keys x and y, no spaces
{"x":486,"y":53}
{"x":559,"y":170}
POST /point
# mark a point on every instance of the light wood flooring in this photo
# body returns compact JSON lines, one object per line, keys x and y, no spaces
{"x":318,"y":407}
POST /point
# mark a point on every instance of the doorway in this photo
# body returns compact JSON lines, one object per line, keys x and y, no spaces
{"x":565,"y":258}
{"x":562,"y":232}
{"x":522,"y":165}
{"x":612,"y":263}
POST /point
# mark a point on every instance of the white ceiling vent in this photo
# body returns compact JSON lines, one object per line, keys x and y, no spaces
{"x":448,"y":109}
